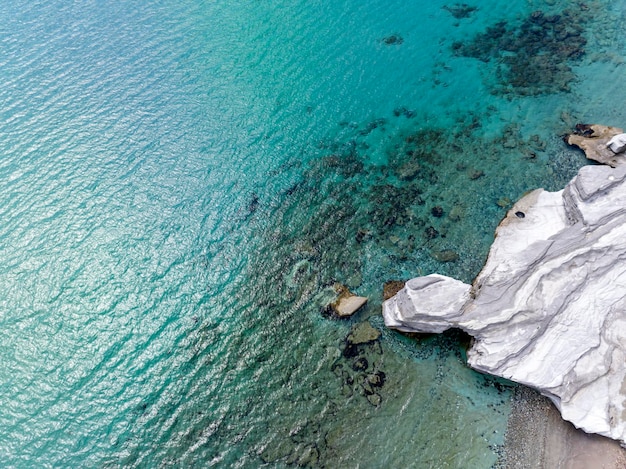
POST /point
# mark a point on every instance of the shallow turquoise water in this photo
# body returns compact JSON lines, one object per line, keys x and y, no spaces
{"x":182,"y":183}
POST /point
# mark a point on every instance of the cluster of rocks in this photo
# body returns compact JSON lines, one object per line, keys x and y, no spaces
{"x":358,"y":367}
{"x":416,"y":164}
{"x":359,"y":364}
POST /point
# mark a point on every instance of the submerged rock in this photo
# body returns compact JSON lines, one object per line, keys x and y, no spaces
{"x":446,"y":255}
{"x":394,"y":39}
{"x":503,"y":202}
{"x":374,"y":399}
{"x":475,"y":174}
{"x":460,"y":10}
{"x":456,"y":213}
{"x":362,"y":333}
{"x":437,"y":211}
{"x":409,"y":171}
{"x":360,"y":364}
{"x":431,"y":232}
{"x":548,"y":309}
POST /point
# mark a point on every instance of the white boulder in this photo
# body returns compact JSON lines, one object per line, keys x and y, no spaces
{"x":617,"y":144}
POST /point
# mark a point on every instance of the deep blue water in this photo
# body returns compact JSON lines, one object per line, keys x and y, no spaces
{"x":181,"y":184}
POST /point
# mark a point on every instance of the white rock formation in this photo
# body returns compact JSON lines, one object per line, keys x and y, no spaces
{"x":548,"y":310}
{"x":617,"y":144}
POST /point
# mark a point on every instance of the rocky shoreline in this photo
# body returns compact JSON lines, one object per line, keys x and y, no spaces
{"x":546,"y":311}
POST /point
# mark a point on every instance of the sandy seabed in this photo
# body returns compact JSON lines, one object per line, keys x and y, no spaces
{"x":537,"y":437}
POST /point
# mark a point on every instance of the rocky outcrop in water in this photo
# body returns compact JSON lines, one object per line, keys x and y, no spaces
{"x":346,"y":304}
{"x":597,"y":141}
{"x":548,"y":309}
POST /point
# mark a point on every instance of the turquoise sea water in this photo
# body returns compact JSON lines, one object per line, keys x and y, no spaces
{"x":183,"y":182}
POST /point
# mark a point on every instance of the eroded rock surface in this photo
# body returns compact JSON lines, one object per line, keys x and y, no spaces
{"x":548,"y":310}
{"x":597,"y":142}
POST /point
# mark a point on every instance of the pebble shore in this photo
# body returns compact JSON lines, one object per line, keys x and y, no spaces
{"x":537,"y":437}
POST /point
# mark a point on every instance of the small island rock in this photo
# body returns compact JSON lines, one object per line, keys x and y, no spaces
{"x":594,"y":141}
{"x":347,"y":303}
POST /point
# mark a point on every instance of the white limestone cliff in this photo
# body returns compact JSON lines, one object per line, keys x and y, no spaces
{"x":548,"y":310}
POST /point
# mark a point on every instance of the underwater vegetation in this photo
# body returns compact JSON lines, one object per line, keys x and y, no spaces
{"x":533,"y":57}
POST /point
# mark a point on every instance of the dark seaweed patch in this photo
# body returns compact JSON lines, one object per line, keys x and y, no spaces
{"x":533,"y":57}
